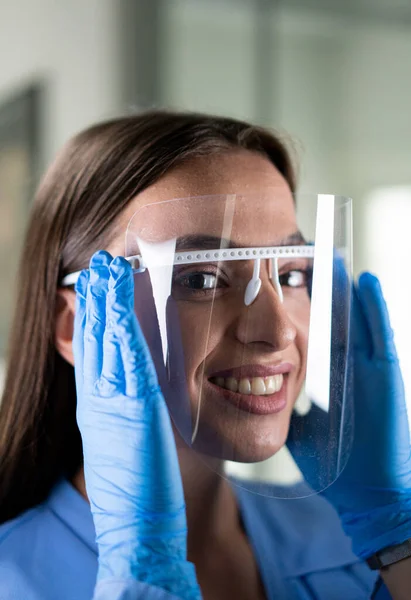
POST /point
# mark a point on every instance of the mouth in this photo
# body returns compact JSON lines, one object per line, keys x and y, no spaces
{"x":254,"y":389}
{"x":256,"y":386}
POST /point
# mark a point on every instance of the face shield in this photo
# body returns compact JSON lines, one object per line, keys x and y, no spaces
{"x":245,"y":306}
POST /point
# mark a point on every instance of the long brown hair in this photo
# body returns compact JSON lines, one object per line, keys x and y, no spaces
{"x":86,"y":188}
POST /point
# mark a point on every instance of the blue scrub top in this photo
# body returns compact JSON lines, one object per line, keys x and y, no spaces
{"x":49,"y":552}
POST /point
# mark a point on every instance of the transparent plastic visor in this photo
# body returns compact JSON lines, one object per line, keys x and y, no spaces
{"x":244,"y":300}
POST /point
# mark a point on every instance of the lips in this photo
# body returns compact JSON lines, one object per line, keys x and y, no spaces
{"x":256,"y":389}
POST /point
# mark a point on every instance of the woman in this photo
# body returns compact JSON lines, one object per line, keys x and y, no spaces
{"x":241,"y":546}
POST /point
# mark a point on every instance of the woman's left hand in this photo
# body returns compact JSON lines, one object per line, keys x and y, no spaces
{"x":373,"y":493}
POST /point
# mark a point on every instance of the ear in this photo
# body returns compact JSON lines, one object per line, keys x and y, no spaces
{"x":63,"y":335}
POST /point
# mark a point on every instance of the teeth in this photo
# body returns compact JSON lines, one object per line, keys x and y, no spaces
{"x":230,"y":384}
{"x":271,"y":385}
{"x":258,"y":386}
{"x":244,"y":387}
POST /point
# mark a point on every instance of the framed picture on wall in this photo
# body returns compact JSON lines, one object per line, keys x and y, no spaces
{"x":19,"y":164}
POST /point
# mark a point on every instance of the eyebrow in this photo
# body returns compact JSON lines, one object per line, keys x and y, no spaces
{"x":210,"y":242}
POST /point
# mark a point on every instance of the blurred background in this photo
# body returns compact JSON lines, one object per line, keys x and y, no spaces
{"x":336,"y":76}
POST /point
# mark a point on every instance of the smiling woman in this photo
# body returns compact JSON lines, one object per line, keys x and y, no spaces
{"x":213,"y":320}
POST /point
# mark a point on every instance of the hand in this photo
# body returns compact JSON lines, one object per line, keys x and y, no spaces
{"x":130,"y":461}
{"x":373,"y":493}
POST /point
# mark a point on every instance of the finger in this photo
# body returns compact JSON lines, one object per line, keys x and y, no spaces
{"x":95,"y":318}
{"x":375,"y":309}
{"x":140,"y":374}
{"x":112,"y":380}
{"x":341,"y":276}
{"x":79,"y":325}
{"x":361,"y":337}
{"x":340,"y":302}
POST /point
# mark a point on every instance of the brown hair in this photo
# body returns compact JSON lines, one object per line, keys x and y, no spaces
{"x":86,"y":188}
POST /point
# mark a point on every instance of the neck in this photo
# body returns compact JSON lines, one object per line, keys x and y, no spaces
{"x":212,"y":512}
{"x":211,"y":506}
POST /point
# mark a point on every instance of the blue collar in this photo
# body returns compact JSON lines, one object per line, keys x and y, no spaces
{"x":74,"y":511}
{"x":302,"y":536}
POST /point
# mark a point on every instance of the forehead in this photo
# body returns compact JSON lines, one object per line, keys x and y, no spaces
{"x":238,"y":195}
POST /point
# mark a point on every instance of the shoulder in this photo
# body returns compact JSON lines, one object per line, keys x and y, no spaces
{"x":17,"y":540}
{"x":308,"y":532}
{"x":296,"y":513}
{"x":14,"y":531}
{"x":306,"y":523}
{"x":44,"y":554}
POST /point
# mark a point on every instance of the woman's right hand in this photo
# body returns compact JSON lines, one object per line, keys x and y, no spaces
{"x":131,"y":468}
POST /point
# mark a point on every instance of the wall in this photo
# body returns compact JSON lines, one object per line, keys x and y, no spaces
{"x":344,"y":90}
{"x":74,"y":47}
{"x":339,"y":84}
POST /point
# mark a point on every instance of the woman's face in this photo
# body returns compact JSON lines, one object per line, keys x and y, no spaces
{"x":243,"y":366}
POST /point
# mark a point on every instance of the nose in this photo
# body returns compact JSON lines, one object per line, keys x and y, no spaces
{"x":266,"y":320}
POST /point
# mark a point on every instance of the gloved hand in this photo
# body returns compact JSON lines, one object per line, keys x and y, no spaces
{"x":130,"y":461}
{"x":373,"y":493}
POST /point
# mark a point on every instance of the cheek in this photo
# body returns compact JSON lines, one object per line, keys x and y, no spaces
{"x":299,"y":314}
{"x":200,"y":334}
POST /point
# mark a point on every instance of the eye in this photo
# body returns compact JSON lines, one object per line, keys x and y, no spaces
{"x":198,"y":281}
{"x":199,"y":285}
{"x":294,"y":278}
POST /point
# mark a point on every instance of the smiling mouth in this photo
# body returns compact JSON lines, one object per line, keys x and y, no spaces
{"x":255,"y":386}
{"x":253,"y":395}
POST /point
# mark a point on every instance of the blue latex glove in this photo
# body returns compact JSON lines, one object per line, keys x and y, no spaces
{"x":131,"y":469}
{"x":373,"y":493}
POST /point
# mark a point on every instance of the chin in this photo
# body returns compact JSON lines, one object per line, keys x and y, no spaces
{"x":226,"y":432}
{"x":256,"y":441}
